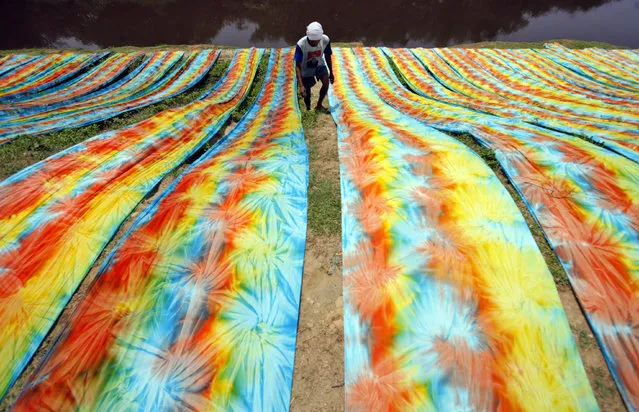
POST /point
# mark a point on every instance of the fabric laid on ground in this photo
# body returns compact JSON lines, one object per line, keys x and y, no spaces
{"x":57,"y":215}
{"x":483,"y":73}
{"x":197,"y":307}
{"x":437,"y":80}
{"x":12,"y":61}
{"x":594,"y":66}
{"x":585,"y":198}
{"x":32,"y":69}
{"x":56,"y":73}
{"x":131,"y":84}
{"x":155,"y":89}
{"x":97,"y":77}
{"x":157,"y":70}
{"x":448,"y":303}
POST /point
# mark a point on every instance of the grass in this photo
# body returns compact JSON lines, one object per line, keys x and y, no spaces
{"x":573,"y":44}
{"x":324,"y":206}
{"x":324,"y":203}
{"x":556,"y":269}
{"x":26,"y":150}
{"x":602,"y":386}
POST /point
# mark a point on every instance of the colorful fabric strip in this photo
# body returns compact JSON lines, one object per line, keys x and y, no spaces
{"x":13,"y":61}
{"x":585,"y":198}
{"x":195,"y":67}
{"x":197,"y":307}
{"x":57,"y":215}
{"x":445,"y":86}
{"x":448,"y":303}
{"x":593,"y":66}
{"x":95,"y":78}
{"x":484,"y":73}
{"x":56,"y":73}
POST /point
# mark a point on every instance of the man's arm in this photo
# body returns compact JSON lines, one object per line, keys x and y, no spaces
{"x":328,"y":56}
{"x":329,"y":63}
{"x":300,"y":83}
{"x":298,"y":69}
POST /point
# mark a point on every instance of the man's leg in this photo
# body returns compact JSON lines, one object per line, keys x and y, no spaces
{"x":323,"y":92}
{"x":307,"y":98}
{"x":308,"y":83}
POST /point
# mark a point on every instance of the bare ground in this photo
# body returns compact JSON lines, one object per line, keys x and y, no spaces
{"x":318,"y":379}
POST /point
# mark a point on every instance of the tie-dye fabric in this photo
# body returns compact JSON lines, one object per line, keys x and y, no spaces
{"x":600,"y":69}
{"x":197,"y":307}
{"x":155,"y":89}
{"x":57,"y":215}
{"x":585,"y":198}
{"x":13,"y":61}
{"x":64,"y":68}
{"x":31,"y":70}
{"x":438,"y":81}
{"x":483,"y":73}
{"x":95,"y":78}
{"x":448,"y":303}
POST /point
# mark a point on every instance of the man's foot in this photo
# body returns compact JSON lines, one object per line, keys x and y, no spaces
{"x":308,"y":108}
{"x":321,"y":109}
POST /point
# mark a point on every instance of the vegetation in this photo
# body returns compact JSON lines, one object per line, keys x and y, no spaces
{"x":324,"y":203}
{"x":573,"y":44}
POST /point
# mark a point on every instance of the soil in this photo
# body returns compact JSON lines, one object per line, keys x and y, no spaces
{"x":318,"y":379}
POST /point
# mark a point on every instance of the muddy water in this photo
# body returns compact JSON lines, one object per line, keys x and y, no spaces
{"x":104,"y":23}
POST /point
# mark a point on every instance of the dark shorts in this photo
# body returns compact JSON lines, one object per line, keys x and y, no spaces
{"x":320,"y":72}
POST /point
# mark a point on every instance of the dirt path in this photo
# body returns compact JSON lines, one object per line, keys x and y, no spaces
{"x":318,"y":380}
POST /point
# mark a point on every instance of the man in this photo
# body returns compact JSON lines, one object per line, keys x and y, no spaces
{"x":313,"y":61}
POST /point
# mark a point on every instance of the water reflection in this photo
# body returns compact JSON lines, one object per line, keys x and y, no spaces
{"x":92,"y":23}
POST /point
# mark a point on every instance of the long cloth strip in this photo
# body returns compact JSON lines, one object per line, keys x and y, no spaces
{"x":555,"y":76}
{"x":181,"y":79}
{"x":197,"y":307}
{"x":32,"y":70}
{"x":585,"y":198}
{"x":157,"y":68}
{"x":57,"y":215}
{"x":448,"y":303}
{"x":97,"y":77}
{"x":56,"y":74}
{"x":13,"y":61}
{"x":595,"y":67}
{"x":439,"y":82}
{"x":485,"y":74}
{"x":609,"y":95}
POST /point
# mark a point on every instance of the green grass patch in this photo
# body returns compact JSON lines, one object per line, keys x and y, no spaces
{"x":324,"y":203}
{"x":309,"y":118}
{"x":572,"y":44}
{"x":26,"y":150}
{"x":324,"y":206}
{"x":557,"y":271}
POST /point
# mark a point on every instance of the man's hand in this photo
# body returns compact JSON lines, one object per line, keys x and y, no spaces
{"x":331,"y":77}
{"x":303,"y":92}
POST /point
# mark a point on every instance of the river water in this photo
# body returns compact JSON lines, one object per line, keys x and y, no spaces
{"x":429,"y":23}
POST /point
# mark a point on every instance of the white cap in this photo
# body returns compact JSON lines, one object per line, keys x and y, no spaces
{"x":314,"y":31}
